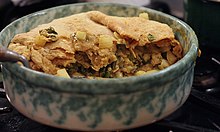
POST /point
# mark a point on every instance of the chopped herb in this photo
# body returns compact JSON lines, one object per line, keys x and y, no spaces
{"x":52,"y":37}
{"x":150,"y":37}
{"x":164,"y":55}
{"x":102,"y":71}
{"x":49,"y":33}
{"x":106,"y":74}
{"x":131,"y":57}
{"x":51,"y":30}
{"x":106,"y":71}
{"x":113,"y":65}
{"x":72,"y":68}
{"x":83,"y":70}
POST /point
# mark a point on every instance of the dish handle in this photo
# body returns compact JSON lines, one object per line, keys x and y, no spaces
{"x":7,"y":55}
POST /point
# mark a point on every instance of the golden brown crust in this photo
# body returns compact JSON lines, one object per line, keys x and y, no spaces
{"x":55,"y":45}
{"x":136,"y":28}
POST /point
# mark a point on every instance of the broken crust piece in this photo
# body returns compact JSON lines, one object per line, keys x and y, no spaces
{"x":66,"y":28}
{"x":134,"y":28}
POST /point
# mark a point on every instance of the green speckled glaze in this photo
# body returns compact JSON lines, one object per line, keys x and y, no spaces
{"x":82,"y":104}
